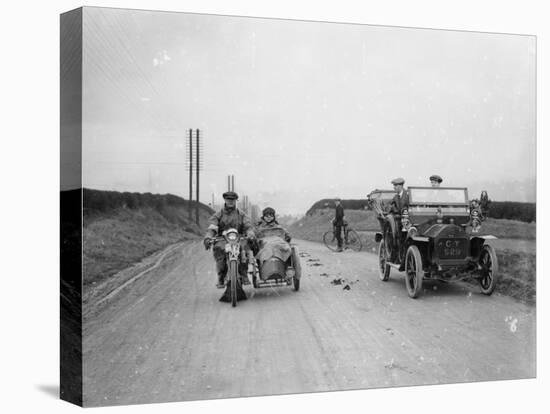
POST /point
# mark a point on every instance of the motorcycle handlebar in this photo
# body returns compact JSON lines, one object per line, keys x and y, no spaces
{"x":222,"y":238}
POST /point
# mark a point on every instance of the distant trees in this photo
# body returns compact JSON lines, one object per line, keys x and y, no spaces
{"x":102,"y":201}
{"x":510,"y":210}
{"x":329,"y":203}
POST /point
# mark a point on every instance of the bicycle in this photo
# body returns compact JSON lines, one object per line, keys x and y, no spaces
{"x":351,"y":239}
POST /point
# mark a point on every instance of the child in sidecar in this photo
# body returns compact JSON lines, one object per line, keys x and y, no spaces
{"x":277,"y":259}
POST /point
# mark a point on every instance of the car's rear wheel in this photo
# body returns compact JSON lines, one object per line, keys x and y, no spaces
{"x":383,"y":267}
{"x":390,"y":238}
{"x":414,"y":274}
{"x":489,"y":269}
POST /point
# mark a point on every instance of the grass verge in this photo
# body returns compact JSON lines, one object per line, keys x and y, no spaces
{"x":115,"y":240}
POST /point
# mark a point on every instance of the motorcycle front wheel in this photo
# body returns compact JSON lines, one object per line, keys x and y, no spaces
{"x":233,"y":282}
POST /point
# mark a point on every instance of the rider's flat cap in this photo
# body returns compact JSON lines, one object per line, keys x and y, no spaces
{"x":230,"y":195}
{"x":398,"y":181}
{"x":437,"y":178}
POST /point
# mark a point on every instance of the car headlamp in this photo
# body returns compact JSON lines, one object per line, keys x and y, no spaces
{"x":405,"y":220}
{"x":413,"y":231}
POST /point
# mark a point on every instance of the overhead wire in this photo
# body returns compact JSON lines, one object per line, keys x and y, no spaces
{"x":102,"y":54}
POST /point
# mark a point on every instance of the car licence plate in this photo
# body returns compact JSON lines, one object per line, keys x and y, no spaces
{"x":452,"y":248}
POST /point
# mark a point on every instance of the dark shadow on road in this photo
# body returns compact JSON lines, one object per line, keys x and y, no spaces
{"x":50,"y":389}
{"x":435,"y":288}
{"x":271,"y":293}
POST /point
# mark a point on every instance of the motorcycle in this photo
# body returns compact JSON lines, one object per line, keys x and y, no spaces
{"x":235,"y":254}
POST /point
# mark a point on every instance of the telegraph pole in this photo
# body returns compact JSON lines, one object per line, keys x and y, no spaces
{"x":197,"y":178}
{"x":190,"y":173}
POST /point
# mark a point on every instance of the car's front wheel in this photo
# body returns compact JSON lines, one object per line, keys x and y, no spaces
{"x":489,"y":269}
{"x":390,"y":238}
{"x":414,"y":274}
{"x":383,"y":267}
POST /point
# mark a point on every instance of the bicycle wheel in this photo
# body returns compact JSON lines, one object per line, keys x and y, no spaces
{"x":354,"y":241}
{"x":330,"y":240}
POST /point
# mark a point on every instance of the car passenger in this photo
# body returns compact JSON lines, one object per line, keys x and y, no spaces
{"x":272,"y":238}
{"x":269,"y":222}
{"x":436,"y":180}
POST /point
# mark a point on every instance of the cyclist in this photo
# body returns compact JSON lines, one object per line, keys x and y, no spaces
{"x":338,"y":222}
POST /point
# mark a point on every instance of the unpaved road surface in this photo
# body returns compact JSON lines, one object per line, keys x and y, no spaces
{"x":166,"y":337}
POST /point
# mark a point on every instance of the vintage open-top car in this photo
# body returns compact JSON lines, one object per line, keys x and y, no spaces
{"x":435,"y":237}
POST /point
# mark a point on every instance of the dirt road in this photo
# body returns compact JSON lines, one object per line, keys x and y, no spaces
{"x":165,"y":336}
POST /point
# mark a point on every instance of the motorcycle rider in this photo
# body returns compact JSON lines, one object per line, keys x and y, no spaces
{"x":228,"y":217}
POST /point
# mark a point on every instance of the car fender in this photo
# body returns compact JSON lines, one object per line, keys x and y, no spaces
{"x":420,"y":239}
{"x":485,"y":237}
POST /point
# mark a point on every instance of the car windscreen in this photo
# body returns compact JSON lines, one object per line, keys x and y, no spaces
{"x":382,"y":195}
{"x":437,"y":196}
{"x":380,"y":200}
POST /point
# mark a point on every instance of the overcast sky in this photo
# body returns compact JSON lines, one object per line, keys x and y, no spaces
{"x":299,"y":111}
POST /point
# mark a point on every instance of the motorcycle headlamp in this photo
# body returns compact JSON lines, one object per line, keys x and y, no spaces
{"x":232,"y":236}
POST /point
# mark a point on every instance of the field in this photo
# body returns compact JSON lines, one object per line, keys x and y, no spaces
{"x":516,"y":247}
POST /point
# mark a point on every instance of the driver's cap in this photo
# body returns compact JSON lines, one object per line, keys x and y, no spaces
{"x":398,"y":181}
{"x":437,"y":178}
{"x":230,"y":195}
